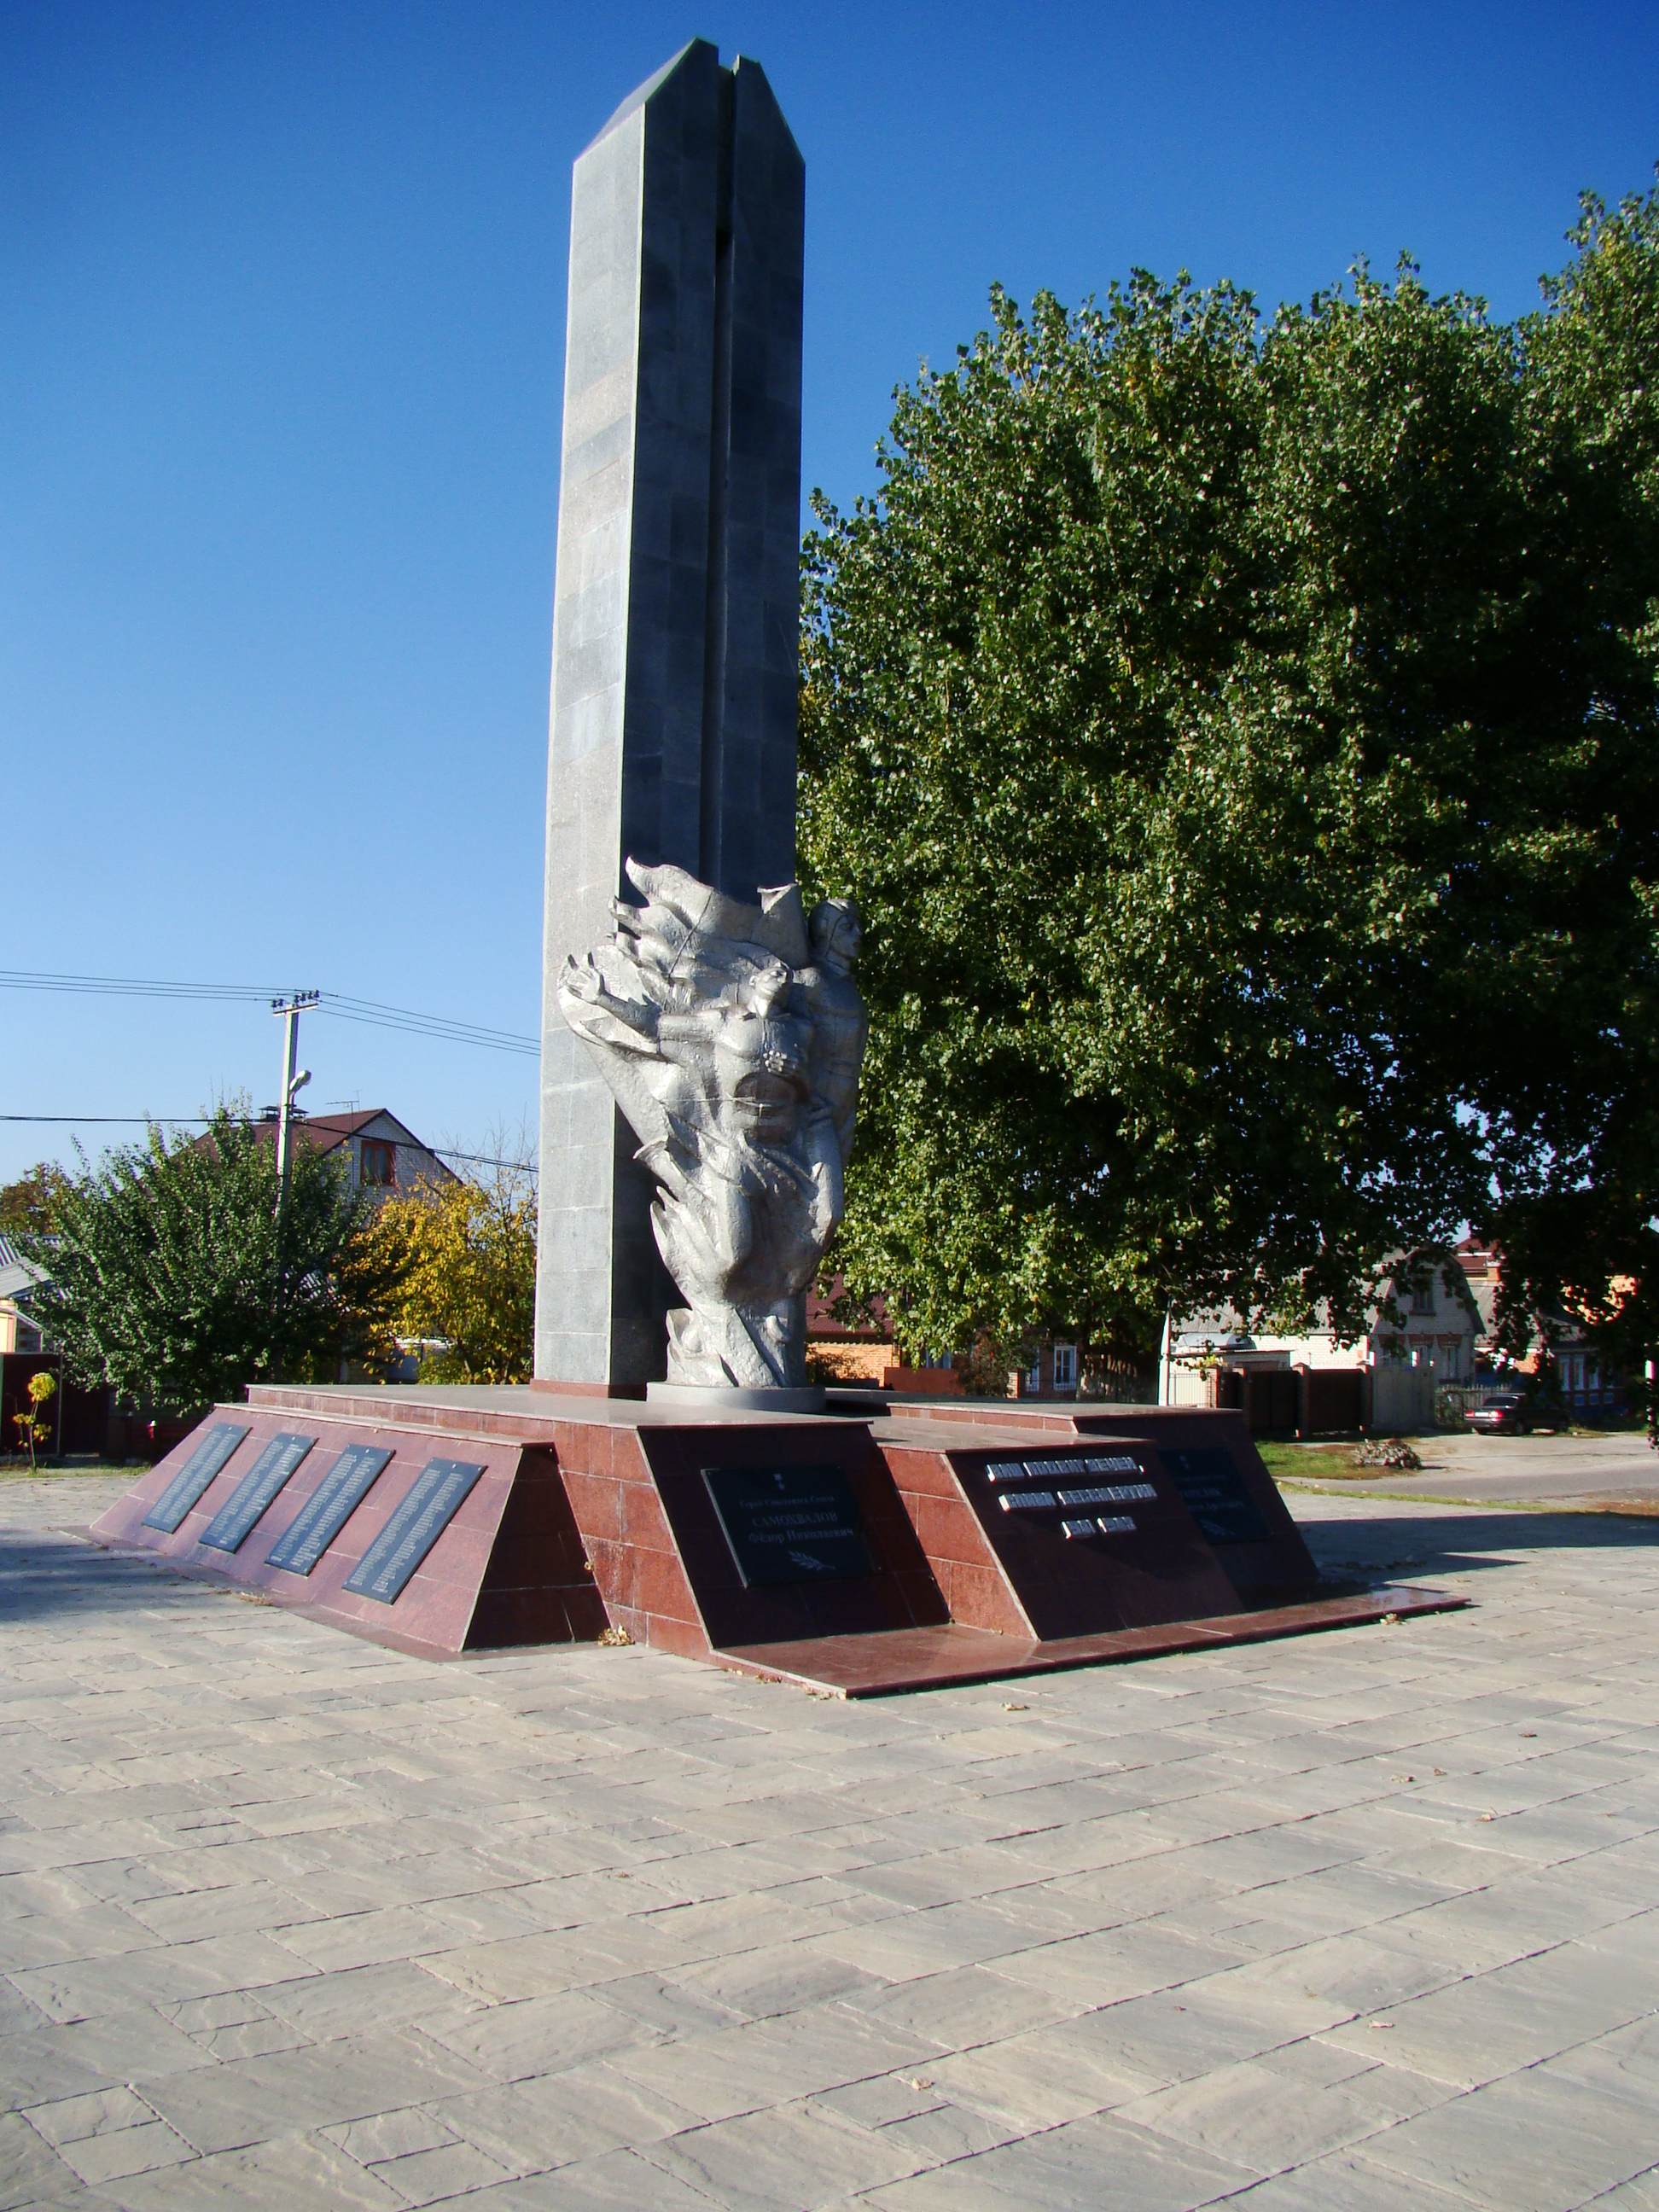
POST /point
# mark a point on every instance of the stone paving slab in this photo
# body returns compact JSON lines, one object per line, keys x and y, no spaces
{"x":1345,"y":1922}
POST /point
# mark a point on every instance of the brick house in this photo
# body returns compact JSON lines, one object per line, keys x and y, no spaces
{"x":383,"y":1159}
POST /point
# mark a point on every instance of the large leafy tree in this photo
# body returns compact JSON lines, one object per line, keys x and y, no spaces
{"x":1241,"y":743}
{"x":172,"y":1280}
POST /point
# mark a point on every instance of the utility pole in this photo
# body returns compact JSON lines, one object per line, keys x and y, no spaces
{"x":1166,"y":1357}
{"x":289,"y":1009}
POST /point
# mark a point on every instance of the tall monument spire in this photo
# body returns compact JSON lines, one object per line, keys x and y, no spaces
{"x":675,"y":657}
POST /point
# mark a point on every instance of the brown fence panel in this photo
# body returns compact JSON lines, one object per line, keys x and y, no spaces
{"x":1332,"y":1399}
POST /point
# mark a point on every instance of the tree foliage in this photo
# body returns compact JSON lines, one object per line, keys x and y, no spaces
{"x":1240,"y":740}
{"x":168,"y":1279}
{"x":466,"y":1257}
{"x":28,"y":1207}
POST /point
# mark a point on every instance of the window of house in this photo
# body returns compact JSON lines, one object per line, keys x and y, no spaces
{"x":1065,"y":1367}
{"x":1423,"y":1298}
{"x":377,"y":1166}
{"x":1034,"y":1374}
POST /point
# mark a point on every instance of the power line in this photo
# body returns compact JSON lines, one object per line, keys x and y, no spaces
{"x":337,"y":1003}
{"x":28,"y":978}
{"x":205,"y":1122}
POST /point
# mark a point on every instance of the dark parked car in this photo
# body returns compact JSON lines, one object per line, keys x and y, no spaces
{"x":1506,"y":1415}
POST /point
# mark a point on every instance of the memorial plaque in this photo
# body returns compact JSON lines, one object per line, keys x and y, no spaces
{"x":194,"y":1476}
{"x":415,"y":1526}
{"x":248,"y":1505}
{"x":789,"y":1524}
{"x":1213,"y":1491}
{"x":328,"y":1509}
{"x":1109,"y":1524}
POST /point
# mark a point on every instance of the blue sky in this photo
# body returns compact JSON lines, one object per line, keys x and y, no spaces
{"x":280,"y":366}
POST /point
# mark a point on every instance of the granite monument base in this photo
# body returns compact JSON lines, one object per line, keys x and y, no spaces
{"x":880,"y":1547}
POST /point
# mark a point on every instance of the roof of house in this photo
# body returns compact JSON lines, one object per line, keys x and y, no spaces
{"x":876,"y":1326}
{"x":18,"y":1276}
{"x":327,"y":1132}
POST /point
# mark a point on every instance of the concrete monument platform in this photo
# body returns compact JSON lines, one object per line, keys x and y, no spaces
{"x":858,"y":1556}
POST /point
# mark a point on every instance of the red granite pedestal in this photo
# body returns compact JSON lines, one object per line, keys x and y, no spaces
{"x":509,"y":1568}
{"x":594,"y":1513}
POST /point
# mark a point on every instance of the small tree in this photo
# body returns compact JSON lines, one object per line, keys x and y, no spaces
{"x":466,"y":1255}
{"x":28,"y":1207}
{"x":167,"y":1281}
{"x":32,"y":1424}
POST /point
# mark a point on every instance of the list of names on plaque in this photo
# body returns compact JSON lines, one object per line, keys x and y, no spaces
{"x":415,"y":1527}
{"x":328,"y":1509}
{"x":253,"y":1496}
{"x":195,"y":1476}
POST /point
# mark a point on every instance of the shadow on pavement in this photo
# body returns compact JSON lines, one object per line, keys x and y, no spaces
{"x":44,"y":1572}
{"x":1448,"y":1542}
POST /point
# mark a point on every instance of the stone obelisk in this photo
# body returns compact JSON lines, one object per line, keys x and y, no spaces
{"x":675,"y":618}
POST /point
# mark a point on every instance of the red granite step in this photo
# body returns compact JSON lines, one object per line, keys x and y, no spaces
{"x":894,"y":1660}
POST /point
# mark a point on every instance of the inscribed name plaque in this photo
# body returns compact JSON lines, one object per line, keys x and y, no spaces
{"x":789,"y":1524}
{"x":1069,"y":1494}
{"x":1213,"y":1491}
{"x":328,"y":1509}
{"x":194,"y":1476}
{"x":433,"y":1498}
{"x":248,"y":1505}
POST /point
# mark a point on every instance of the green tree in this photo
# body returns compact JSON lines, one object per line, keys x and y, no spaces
{"x":1239,"y":742}
{"x":1575,"y":1106}
{"x":28,"y":1207}
{"x":465,"y":1253}
{"x":167,"y":1280}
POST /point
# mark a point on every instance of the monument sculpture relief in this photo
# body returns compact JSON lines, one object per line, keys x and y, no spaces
{"x":731,"y":1035}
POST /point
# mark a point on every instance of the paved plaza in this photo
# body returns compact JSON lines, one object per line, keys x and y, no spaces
{"x":1354,"y":1920}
